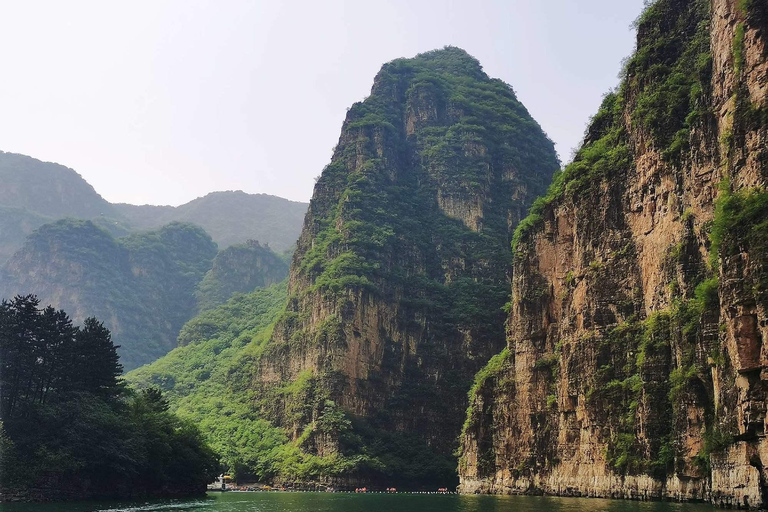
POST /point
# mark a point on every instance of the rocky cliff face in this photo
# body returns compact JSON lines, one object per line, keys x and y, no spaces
{"x":635,"y":363}
{"x":398,"y":282}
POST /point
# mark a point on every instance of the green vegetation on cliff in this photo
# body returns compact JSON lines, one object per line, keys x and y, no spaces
{"x":410,"y":224}
{"x":70,"y":429}
{"x":668,"y":79}
{"x":741,"y":226}
{"x":405,"y":248}
{"x":638,"y":318}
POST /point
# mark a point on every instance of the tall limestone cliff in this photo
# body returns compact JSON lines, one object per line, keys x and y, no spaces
{"x":636,"y":364}
{"x":400,"y":275}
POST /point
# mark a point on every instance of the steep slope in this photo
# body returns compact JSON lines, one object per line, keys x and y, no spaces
{"x":398,"y":282}
{"x":231,"y":217}
{"x":635,"y":363}
{"x":141,"y":287}
{"x":239,"y":269}
{"x":201,"y":379}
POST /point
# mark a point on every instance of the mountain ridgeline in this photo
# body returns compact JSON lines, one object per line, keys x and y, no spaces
{"x":636,"y":358}
{"x":230,"y":217}
{"x":134,"y":267}
{"x":396,"y":289}
{"x":36,"y":193}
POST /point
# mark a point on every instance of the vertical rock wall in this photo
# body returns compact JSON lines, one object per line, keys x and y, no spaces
{"x":635,"y":364}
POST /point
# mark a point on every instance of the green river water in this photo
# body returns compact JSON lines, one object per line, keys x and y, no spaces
{"x":343,"y":502}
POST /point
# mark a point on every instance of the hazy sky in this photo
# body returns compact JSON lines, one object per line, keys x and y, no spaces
{"x":163,"y":101}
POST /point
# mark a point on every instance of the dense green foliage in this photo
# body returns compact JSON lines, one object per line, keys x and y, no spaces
{"x":200,"y":379}
{"x":239,"y":269}
{"x":142,"y":285}
{"x":70,"y":428}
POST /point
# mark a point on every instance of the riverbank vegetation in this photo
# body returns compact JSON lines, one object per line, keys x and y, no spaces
{"x":69,"y":426}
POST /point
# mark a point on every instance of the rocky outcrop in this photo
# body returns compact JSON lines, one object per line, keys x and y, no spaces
{"x":635,"y":365}
{"x":401,"y":271}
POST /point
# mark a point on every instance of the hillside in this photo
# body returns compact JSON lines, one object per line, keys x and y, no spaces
{"x":239,"y":269}
{"x":141,"y":286}
{"x":635,"y":363}
{"x":203,"y":380}
{"x":397,"y":286}
{"x":230,"y":217}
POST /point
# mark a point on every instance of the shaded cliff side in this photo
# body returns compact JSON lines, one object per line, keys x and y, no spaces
{"x":239,"y":269}
{"x":400,"y":275}
{"x":141,"y":286}
{"x":635,"y":364}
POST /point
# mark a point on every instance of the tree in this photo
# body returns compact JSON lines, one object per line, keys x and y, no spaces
{"x":66,"y":417}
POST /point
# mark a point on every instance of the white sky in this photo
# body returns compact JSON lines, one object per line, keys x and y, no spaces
{"x":163,"y":101}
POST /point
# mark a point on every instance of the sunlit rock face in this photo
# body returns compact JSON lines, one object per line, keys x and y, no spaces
{"x":401,"y":273}
{"x":635,"y":364}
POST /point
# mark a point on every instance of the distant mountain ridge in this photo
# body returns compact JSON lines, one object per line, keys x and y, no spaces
{"x":48,"y":189}
{"x":36,"y":192}
{"x":231,"y":217}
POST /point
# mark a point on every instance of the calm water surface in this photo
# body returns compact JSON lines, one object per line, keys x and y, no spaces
{"x":342,"y":502}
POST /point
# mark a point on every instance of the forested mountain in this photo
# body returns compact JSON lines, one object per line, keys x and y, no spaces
{"x":142,"y":286}
{"x":35,"y":193}
{"x":396,"y":289}
{"x":636,"y":359}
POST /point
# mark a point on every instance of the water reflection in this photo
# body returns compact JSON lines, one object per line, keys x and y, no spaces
{"x":342,"y":502}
